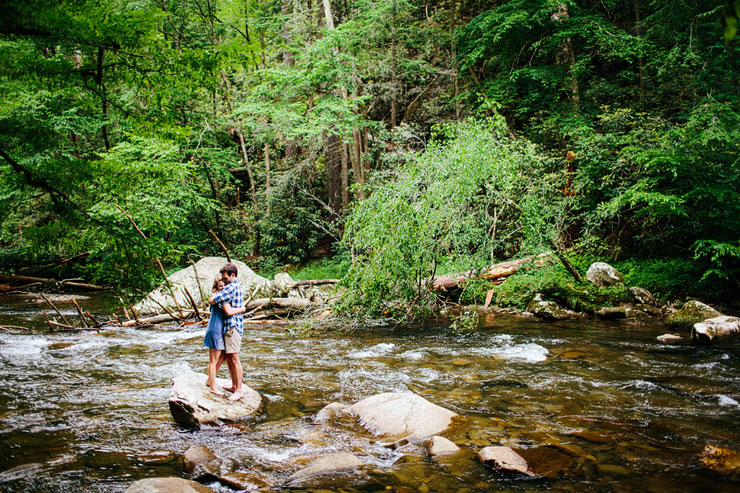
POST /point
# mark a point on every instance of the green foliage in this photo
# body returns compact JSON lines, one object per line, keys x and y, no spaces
{"x":475,"y":194}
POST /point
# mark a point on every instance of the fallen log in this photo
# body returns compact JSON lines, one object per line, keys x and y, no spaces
{"x":496,"y":271}
{"x":313,"y":282}
{"x":288,"y":303}
{"x":70,"y":284}
{"x":155,"y":319}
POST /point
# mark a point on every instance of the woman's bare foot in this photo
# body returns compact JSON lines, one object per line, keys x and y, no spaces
{"x":230,"y":389}
{"x":217,"y":392}
{"x":236,"y":396}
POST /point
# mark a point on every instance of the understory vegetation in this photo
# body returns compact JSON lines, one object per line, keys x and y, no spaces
{"x":396,"y":140}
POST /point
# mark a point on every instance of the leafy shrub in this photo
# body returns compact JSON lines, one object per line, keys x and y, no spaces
{"x":473,"y":196}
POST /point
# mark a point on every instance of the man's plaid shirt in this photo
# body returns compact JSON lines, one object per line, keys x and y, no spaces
{"x":232,"y":294}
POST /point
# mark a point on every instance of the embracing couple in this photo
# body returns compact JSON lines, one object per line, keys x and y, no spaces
{"x":225,"y":329}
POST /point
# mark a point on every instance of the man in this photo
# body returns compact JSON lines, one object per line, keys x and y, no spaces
{"x":233,"y":328}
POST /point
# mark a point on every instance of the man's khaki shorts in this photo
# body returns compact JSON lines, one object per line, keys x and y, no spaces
{"x":233,"y":341}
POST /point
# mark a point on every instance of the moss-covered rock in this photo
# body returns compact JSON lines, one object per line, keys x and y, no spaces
{"x":692,"y":312}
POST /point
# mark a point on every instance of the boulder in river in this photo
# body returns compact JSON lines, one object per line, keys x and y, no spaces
{"x":715,"y":330}
{"x":504,"y":459}
{"x":167,"y":485}
{"x":401,"y":415}
{"x":603,"y":274}
{"x":722,"y":460}
{"x":438,"y":445}
{"x":192,"y":405}
{"x":329,"y":464}
{"x":690,"y":313}
{"x":548,"y":310}
{"x":207,"y":268}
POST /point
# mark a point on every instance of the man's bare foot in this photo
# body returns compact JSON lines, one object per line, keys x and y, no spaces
{"x":217,"y":392}
{"x":230,"y":389}
{"x":236,"y":396}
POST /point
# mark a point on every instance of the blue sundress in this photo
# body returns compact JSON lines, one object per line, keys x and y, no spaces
{"x":214,"y":338}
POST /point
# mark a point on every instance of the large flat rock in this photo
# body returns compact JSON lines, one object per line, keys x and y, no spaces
{"x":192,"y":405}
{"x":401,"y":415}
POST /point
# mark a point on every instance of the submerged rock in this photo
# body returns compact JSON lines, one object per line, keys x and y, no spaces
{"x":722,"y":460}
{"x":669,"y":338}
{"x":715,"y":330}
{"x":401,"y":415}
{"x":547,"y":461}
{"x":192,"y":405}
{"x":603,"y":274}
{"x":167,"y":485}
{"x":438,"y":445}
{"x":330,"y":411}
{"x":199,"y":462}
{"x":504,"y":459}
{"x":328,"y":464}
{"x":690,"y":313}
{"x":245,"y":481}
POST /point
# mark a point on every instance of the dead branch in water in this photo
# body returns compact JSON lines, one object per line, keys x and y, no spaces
{"x":55,"y":308}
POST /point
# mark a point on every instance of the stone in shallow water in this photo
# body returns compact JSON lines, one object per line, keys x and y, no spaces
{"x":722,"y":460}
{"x":401,"y":415}
{"x":438,"y":445}
{"x":547,"y":462}
{"x":715,"y":330}
{"x":200,"y":462}
{"x":192,"y":405}
{"x":669,"y":338}
{"x":244,"y":481}
{"x":504,"y":459}
{"x":167,"y":485}
{"x":328,"y":464}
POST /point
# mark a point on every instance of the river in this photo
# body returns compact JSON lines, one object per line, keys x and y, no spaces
{"x":88,"y":411}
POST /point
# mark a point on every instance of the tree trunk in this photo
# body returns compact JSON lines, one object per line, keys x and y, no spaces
{"x":327,"y":15}
{"x":334,"y":175}
{"x":394,"y":63}
{"x":567,"y":55}
{"x":497,"y":271}
{"x":345,"y":177}
{"x":267,"y":177}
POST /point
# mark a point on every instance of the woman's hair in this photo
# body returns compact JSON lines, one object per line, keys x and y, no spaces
{"x":215,"y":283}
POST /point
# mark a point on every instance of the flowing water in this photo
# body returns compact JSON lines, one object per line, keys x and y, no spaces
{"x":609,"y":406}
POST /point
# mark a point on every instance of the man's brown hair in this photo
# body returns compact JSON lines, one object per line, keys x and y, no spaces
{"x":229,"y":269}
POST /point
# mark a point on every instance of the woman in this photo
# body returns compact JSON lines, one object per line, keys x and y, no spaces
{"x":214,"y":339}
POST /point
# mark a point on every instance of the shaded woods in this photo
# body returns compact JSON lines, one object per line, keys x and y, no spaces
{"x":413,"y":139}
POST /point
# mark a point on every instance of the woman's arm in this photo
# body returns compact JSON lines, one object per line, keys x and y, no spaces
{"x":230,"y":310}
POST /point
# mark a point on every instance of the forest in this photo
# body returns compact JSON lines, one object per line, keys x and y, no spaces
{"x":393,"y":139}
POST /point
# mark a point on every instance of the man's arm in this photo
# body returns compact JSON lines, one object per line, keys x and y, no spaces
{"x":223,"y":296}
